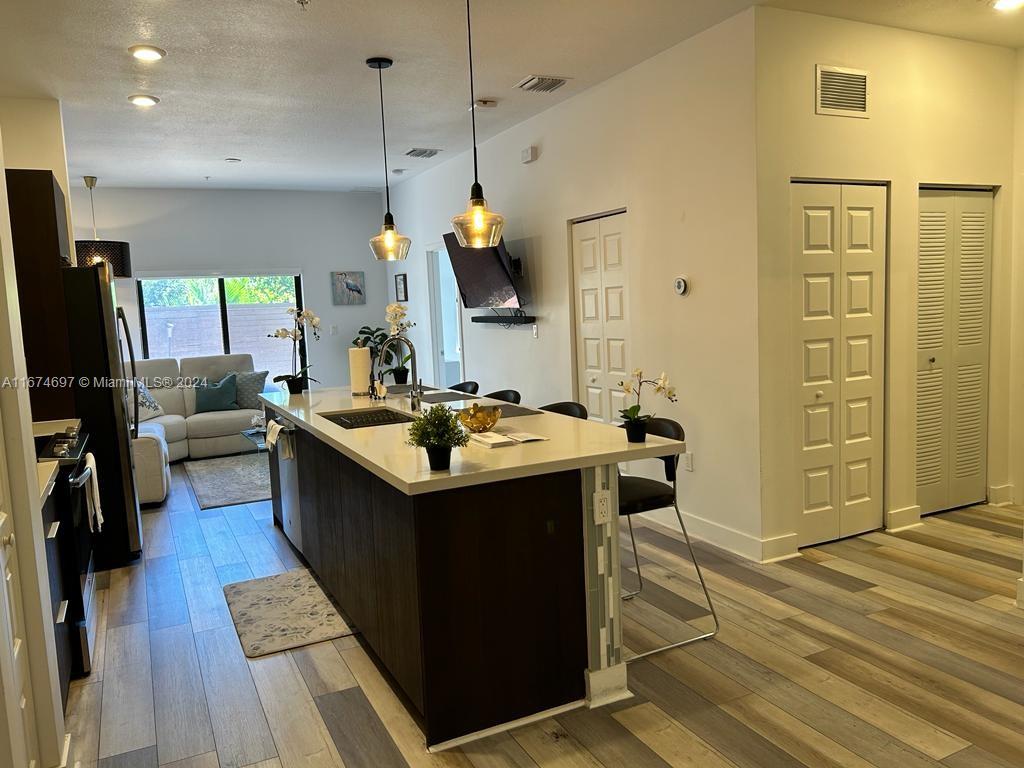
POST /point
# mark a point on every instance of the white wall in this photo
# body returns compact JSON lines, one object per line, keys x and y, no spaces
{"x":941,"y":112}
{"x":672,"y":141}
{"x":34,"y":138}
{"x":196,"y":231}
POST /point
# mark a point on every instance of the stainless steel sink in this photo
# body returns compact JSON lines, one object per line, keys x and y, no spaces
{"x":367,"y":417}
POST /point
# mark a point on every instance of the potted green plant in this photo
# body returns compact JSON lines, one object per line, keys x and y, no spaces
{"x":634,"y":421}
{"x":400,"y":372}
{"x":373,"y":339}
{"x":299,"y":378}
{"x":438,"y":431}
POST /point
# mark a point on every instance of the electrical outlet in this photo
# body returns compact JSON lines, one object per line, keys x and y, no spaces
{"x":686,"y":460}
{"x":602,"y":507}
{"x":536,"y":333}
{"x":334,"y":330}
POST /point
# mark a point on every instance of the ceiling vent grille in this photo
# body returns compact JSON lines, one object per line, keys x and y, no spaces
{"x":541,"y":83}
{"x":841,"y":91}
{"x":421,"y":153}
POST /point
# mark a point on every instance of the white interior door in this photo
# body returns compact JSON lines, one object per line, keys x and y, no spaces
{"x":445,"y":320}
{"x":839,"y":267}
{"x":603,"y":346}
{"x":17,"y":735}
{"x":954,"y":262}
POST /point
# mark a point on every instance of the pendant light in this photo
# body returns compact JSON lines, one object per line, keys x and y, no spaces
{"x":478,"y":227}
{"x":91,"y":252}
{"x":388,"y":245}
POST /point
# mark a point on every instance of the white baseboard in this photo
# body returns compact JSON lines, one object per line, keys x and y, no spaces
{"x":743,"y":544}
{"x":606,"y":686}
{"x":900,"y":519}
{"x":1000,"y":495}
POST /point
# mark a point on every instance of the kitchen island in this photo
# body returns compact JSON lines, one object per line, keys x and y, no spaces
{"x":489,"y":594}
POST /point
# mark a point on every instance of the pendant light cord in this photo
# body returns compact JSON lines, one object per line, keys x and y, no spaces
{"x":384,"y":141}
{"x":92,"y":205}
{"x":472,"y":95}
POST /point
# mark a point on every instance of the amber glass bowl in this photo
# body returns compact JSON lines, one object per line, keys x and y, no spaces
{"x":480,"y":418}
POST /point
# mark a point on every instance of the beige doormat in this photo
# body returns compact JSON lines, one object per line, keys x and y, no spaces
{"x":287,"y":610}
{"x":230,"y":479}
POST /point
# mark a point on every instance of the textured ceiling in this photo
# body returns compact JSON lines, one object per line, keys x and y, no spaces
{"x":288,"y":92}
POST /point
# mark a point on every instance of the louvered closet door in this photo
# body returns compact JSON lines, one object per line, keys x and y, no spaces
{"x":838,"y":233}
{"x":954,"y":255}
{"x":600,"y":267}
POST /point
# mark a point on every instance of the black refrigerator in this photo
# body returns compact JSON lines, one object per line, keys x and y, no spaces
{"x":107,"y":404}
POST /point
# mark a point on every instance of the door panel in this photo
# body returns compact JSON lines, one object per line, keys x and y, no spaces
{"x":862,"y":329}
{"x":816,"y":218}
{"x":839,"y":237}
{"x":954,"y":255}
{"x":600,"y":268}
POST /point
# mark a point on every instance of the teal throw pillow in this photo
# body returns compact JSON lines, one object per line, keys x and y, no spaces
{"x":221,"y":396}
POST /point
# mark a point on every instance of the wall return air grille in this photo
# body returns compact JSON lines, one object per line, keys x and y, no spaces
{"x":540,"y":83}
{"x":422,"y":153}
{"x":840,"y":91}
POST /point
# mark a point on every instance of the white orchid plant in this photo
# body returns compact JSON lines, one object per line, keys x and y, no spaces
{"x":301,"y":319}
{"x":634,"y":386}
{"x":395,"y":314}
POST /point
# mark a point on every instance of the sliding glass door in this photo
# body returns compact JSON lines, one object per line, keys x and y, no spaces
{"x":190,"y":316}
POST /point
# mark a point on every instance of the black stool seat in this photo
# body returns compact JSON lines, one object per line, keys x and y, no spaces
{"x":641,"y":494}
{"x":469,"y":387}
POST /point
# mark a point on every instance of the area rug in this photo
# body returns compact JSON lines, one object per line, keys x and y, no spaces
{"x":230,"y":479}
{"x":287,"y":610}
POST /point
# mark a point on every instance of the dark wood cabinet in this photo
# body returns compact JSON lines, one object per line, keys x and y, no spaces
{"x":39,"y":235}
{"x":472,"y":600}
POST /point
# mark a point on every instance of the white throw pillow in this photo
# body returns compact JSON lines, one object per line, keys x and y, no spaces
{"x":149,"y":408}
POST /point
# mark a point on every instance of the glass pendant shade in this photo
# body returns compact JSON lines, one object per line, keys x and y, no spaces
{"x":478,"y":227}
{"x":389,"y":245}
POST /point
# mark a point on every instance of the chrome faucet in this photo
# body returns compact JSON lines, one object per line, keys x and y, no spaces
{"x":417,"y":386}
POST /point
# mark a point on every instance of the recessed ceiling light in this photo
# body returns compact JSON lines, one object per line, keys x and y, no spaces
{"x":232,"y":159}
{"x":147,"y":52}
{"x":143,"y":100}
{"x":1008,"y":5}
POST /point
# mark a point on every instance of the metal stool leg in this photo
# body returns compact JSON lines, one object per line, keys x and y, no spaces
{"x":703,"y":586}
{"x":636,"y":559}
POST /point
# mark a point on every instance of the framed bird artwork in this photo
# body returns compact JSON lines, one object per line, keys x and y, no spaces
{"x":348,"y":288}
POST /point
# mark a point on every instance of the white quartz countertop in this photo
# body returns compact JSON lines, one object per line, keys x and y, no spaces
{"x":572,"y":444}
{"x":46,"y":471}
{"x":52,"y":427}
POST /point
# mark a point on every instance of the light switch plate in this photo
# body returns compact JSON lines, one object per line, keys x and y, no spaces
{"x":686,"y":460}
{"x":602,"y":507}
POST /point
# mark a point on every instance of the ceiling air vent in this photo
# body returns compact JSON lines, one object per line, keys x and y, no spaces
{"x":841,"y":91}
{"x":423,"y":153}
{"x":541,"y":83}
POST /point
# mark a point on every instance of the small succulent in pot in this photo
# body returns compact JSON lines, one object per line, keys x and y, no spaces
{"x":437,"y":430}
{"x":634,"y":421}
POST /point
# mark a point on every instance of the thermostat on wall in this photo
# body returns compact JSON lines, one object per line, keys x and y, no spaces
{"x":682,"y":285}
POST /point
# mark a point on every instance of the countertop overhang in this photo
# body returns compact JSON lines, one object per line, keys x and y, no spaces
{"x":383,"y":450}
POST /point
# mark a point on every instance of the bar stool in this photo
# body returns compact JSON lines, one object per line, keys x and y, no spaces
{"x":469,"y":387}
{"x":506,"y":395}
{"x":641,"y":494}
{"x":567,"y":408}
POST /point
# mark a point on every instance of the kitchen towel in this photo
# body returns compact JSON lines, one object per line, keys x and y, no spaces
{"x":92,"y":494}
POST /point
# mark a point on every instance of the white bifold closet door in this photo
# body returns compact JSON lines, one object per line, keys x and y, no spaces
{"x":954,"y":255}
{"x":839,"y":270}
{"x":600,"y":249}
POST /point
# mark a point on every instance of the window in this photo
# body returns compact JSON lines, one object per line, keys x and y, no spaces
{"x":190,"y":316}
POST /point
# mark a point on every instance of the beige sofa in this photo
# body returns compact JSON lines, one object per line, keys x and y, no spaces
{"x":189,"y":434}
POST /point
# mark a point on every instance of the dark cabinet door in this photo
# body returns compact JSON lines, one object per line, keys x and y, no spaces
{"x":398,"y":611}
{"x":360,"y":593}
{"x":310,"y":491}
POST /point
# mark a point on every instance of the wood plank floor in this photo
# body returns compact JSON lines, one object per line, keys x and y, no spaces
{"x":885,"y":650}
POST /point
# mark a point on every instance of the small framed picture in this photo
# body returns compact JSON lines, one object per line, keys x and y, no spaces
{"x":348,"y":288}
{"x":401,"y":287}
